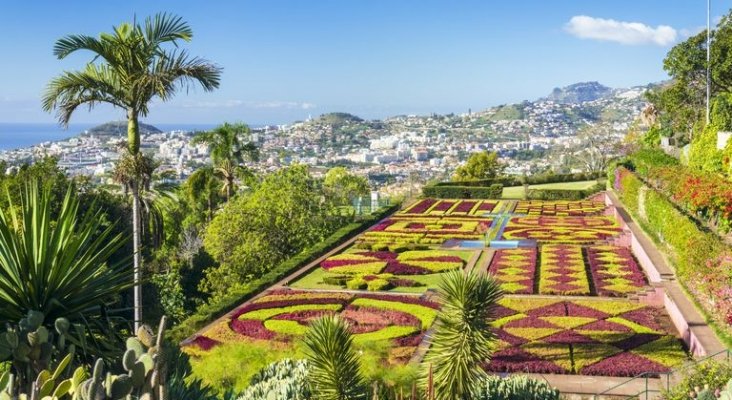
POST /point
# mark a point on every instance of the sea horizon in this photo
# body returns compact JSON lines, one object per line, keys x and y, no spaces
{"x":26,"y":134}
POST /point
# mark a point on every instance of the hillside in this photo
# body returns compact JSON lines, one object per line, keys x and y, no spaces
{"x":579,"y":93}
{"x":119,"y":128}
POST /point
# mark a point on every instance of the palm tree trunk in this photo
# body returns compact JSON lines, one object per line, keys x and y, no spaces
{"x":137,"y":260}
{"x":133,"y":145}
{"x":228,"y":187}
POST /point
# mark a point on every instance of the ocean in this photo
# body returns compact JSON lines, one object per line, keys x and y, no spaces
{"x":14,"y":136}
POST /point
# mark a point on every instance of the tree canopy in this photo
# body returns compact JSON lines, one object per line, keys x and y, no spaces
{"x":483,"y":165}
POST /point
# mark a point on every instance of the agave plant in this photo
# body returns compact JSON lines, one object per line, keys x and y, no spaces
{"x":334,"y":373}
{"x":462,"y":340}
{"x":57,"y":266}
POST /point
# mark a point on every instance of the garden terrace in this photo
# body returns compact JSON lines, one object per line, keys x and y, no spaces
{"x":399,"y":270}
{"x":559,"y":208}
{"x":587,"y":337}
{"x":575,"y":294}
{"x":556,"y":229}
{"x":424,"y":230}
{"x":283,"y":315}
{"x":454,"y":207}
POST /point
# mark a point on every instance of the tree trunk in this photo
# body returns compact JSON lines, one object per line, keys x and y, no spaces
{"x":137,"y":260}
{"x":228,"y":187}
{"x":133,"y":145}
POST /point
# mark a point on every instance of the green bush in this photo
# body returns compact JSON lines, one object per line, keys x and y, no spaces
{"x":713,"y":373}
{"x":494,"y":191}
{"x":240,"y":293}
{"x":564,"y":194}
{"x":531,"y":180}
{"x":516,"y":387}
{"x":644,"y":159}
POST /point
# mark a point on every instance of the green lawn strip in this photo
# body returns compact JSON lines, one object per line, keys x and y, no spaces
{"x":314,"y":280}
{"x":425,"y":314}
{"x":390,"y":332}
{"x":517,"y":192}
{"x":266,"y":313}
{"x":286,"y":327}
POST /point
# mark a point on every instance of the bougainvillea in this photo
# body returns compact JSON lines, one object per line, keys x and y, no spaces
{"x":562,"y":271}
{"x":614,"y":270}
{"x":515,"y":269}
{"x":559,"y":208}
{"x":591,"y":337}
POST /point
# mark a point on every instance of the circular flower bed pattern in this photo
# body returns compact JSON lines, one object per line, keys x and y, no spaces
{"x":283,"y":315}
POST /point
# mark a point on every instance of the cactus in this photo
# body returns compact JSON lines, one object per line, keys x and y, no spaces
{"x":46,"y":386}
{"x":143,"y":362}
{"x":708,"y":394}
{"x":33,"y":348}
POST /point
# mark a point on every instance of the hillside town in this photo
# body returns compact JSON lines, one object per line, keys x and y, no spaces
{"x":396,"y":153}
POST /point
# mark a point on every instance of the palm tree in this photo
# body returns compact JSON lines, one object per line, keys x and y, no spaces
{"x":58,"y":267}
{"x":463,"y":339}
{"x":334,"y":373}
{"x":131,"y":67}
{"x":202,"y":189}
{"x":228,"y":151}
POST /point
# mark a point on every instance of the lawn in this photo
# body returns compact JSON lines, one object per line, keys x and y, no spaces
{"x":517,"y":192}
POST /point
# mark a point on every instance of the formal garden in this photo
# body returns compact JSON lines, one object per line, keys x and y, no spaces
{"x":570,"y":303}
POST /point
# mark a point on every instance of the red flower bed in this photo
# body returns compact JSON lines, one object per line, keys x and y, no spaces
{"x":421,"y":207}
{"x":443,"y":206}
{"x":204,"y":343}
{"x":464,"y":207}
{"x":252,"y":329}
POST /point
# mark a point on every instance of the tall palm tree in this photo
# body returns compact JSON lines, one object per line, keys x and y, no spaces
{"x":131,"y":67}
{"x":463,"y":339}
{"x":229,"y":148}
{"x":334,"y":367}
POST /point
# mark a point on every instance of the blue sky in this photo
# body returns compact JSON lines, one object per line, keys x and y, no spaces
{"x":285,"y":60}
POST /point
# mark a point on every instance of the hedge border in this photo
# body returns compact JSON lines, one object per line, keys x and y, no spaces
{"x":564,"y":194}
{"x":208,"y":312}
{"x":494,"y":191}
{"x":531,"y":180}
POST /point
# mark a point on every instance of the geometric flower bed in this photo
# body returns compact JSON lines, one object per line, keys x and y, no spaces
{"x":456,"y":207}
{"x":382,"y":270}
{"x":562,"y":271}
{"x":561,"y":208}
{"x":283,"y":315}
{"x":588,"y":337}
{"x":426,"y":230}
{"x":588,"y":229}
{"x":515,"y":269}
{"x":614,"y":270}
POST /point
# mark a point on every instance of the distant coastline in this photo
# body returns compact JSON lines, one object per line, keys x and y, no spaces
{"x":22,"y":135}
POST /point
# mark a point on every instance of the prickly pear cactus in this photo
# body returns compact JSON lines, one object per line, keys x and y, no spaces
{"x":726,"y":392}
{"x":32,"y":347}
{"x":143,"y":363}
{"x":46,"y":386}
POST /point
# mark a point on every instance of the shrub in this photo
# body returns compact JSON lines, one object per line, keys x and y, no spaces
{"x":286,"y":379}
{"x":494,"y":191}
{"x":515,"y":387}
{"x":240,"y":293}
{"x":713,"y":373}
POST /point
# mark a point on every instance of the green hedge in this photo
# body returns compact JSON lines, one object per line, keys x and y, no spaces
{"x":210,"y":311}
{"x":564,"y":194}
{"x":645,"y":159}
{"x":494,"y":191}
{"x":531,"y":180}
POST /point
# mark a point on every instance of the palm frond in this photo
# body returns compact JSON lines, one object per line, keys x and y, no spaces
{"x":334,"y":373}
{"x":164,"y":27}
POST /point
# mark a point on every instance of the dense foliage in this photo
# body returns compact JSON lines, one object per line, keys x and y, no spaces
{"x":483,"y":165}
{"x":282,"y":216}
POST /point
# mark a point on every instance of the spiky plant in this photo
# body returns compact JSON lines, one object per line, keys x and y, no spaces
{"x":334,"y":373}
{"x":57,"y":266}
{"x":462,"y":340}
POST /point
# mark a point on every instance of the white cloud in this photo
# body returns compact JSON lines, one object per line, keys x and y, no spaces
{"x":631,"y":33}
